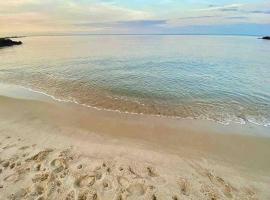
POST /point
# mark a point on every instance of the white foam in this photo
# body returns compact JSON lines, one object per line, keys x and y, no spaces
{"x":226,"y":121}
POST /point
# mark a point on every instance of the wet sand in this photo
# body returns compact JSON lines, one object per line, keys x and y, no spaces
{"x":53,"y":150}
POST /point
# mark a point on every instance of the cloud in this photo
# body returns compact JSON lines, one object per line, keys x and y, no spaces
{"x":142,"y":23}
{"x":124,"y":16}
{"x":241,"y":8}
{"x":229,"y":9}
{"x":224,"y":8}
{"x":213,"y":17}
{"x":198,"y":17}
{"x":236,"y":17}
{"x":39,"y":15}
{"x":260,"y":11}
{"x":132,"y":26}
{"x":229,"y":29}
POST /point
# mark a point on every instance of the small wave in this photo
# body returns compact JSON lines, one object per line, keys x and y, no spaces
{"x":227,"y":121}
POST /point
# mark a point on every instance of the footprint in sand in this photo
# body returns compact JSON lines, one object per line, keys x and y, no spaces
{"x":249,"y":191}
{"x":150,"y":192}
{"x":151,"y":172}
{"x":40,"y":177}
{"x":58,"y":165}
{"x":123,"y":181}
{"x":226,"y":187}
{"x":134,"y":173}
{"x":210,"y":192}
{"x":37,"y":167}
{"x":40,"y":156}
{"x":98,"y":175}
{"x":136,"y":189}
{"x":184,"y":186}
{"x":64,"y":173}
{"x":70,"y":195}
{"x":107,"y":185}
{"x":85,"y":181}
{"x":218,"y":181}
{"x":38,"y":190}
{"x":89,"y":194}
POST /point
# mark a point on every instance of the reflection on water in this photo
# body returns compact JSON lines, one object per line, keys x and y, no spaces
{"x":215,"y":77}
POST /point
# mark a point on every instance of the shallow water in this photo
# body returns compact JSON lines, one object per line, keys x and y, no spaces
{"x":221,"y":78}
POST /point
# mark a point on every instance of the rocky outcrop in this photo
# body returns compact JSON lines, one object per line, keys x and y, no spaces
{"x":266,"y":38}
{"x":6,"y":42}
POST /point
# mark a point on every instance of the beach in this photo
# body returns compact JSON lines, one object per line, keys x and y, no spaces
{"x":134,"y":100}
{"x":61,"y":150}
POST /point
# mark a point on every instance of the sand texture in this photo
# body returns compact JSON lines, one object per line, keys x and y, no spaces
{"x":31,"y":172}
{"x":48,"y":152}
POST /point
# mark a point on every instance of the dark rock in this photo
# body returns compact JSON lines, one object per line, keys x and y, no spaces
{"x":266,"y":38}
{"x":6,"y":42}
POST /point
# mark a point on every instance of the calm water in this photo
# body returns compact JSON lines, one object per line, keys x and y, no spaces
{"x":222,"y":78}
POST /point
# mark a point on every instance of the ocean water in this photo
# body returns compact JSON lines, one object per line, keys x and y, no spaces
{"x":220,"y":78}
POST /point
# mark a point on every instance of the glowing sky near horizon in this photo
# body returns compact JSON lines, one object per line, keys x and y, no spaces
{"x":137,"y":16}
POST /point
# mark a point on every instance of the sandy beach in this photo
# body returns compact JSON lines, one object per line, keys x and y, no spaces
{"x":53,"y":150}
{"x":134,"y":100}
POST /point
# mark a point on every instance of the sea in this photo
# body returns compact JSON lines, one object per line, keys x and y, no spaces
{"x":219,"y":78}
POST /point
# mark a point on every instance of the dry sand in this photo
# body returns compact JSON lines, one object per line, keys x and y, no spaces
{"x":52,"y":151}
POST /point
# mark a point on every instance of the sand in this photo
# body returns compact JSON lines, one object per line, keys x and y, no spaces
{"x":55,"y":151}
{"x":31,"y":172}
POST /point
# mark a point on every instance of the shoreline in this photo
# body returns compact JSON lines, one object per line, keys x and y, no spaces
{"x":161,"y":158}
{"x":170,"y":128}
{"x":30,"y":93}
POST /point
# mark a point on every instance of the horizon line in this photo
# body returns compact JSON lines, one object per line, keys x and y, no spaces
{"x":104,"y":34}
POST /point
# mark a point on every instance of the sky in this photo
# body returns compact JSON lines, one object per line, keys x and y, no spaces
{"x":248,"y":17}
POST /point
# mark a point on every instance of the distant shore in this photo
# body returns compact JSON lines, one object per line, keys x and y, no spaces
{"x":266,"y":38}
{"x":58,"y":150}
{"x":7,"y":42}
